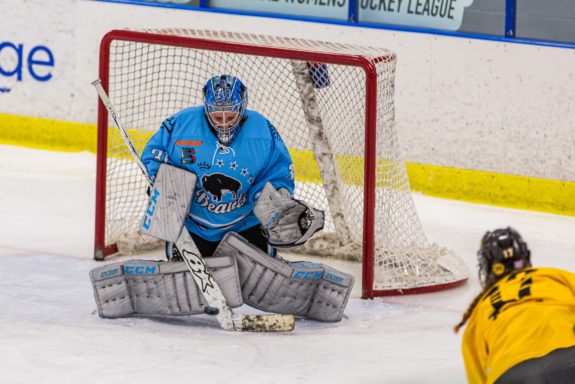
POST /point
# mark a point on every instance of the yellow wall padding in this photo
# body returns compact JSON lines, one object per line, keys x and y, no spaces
{"x":47,"y":134}
{"x":513,"y":191}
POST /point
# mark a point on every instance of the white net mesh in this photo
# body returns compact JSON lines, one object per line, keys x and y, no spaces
{"x":324,"y":127}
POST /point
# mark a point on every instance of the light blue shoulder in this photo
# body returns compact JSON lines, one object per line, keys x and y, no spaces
{"x":186,"y":118}
{"x":255,"y":116}
{"x":189,"y":113}
{"x":257,"y":126}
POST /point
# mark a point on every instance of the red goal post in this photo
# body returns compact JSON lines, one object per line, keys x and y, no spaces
{"x":333,"y":106}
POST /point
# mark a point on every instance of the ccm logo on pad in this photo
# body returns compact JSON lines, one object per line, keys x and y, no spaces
{"x":300,"y":275}
{"x":139,"y":269}
{"x":151,"y":209}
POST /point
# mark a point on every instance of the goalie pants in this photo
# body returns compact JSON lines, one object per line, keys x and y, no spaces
{"x":255,"y":235}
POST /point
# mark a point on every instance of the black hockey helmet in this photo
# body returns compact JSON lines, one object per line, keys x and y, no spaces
{"x":501,"y":251}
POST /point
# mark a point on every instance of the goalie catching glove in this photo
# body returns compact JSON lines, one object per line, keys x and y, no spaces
{"x":288,"y":222}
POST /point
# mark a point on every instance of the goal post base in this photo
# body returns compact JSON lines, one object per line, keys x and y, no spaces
{"x":413,"y":291}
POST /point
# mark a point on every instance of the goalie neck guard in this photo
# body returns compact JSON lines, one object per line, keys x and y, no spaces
{"x":225,"y":102}
{"x":501,"y":251}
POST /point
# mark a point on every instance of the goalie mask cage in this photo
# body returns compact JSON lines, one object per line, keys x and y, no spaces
{"x":333,"y":106}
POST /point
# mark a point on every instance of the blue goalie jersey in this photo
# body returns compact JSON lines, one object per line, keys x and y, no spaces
{"x":229,"y":178}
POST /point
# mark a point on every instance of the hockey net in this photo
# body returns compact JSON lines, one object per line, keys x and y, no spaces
{"x":333,"y":106}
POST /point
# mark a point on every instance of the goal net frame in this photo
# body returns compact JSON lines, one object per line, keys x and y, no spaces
{"x":366,"y":63}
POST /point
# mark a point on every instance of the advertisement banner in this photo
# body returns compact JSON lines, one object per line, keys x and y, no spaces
{"x":436,"y":14}
{"x":37,"y":60}
{"x":327,"y":9}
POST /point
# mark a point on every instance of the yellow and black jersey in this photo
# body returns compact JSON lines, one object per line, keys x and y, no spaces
{"x":525,"y":315}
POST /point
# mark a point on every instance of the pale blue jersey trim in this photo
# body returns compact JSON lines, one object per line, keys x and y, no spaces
{"x":212,"y":225}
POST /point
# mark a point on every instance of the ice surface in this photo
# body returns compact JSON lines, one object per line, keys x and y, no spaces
{"x":50,"y":332}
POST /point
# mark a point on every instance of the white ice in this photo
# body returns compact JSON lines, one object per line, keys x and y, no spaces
{"x":50,"y":333}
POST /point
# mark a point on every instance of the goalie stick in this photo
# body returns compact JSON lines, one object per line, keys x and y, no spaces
{"x":227,"y":319}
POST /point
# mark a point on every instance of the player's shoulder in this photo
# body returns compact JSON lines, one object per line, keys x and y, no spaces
{"x":537,"y":273}
{"x":184,"y":118}
{"x":551,"y":271}
{"x":192,"y":112}
{"x":544,"y":270}
{"x":258,"y":126}
{"x":255,"y":117}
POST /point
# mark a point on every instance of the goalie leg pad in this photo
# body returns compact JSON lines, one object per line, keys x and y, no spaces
{"x":331,"y":296}
{"x":266,"y":282}
{"x":150,"y":288}
{"x":304,"y":289}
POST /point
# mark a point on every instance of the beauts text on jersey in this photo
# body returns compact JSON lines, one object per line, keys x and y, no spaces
{"x":231,"y":177}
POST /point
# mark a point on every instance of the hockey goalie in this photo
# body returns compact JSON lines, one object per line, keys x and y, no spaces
{"x":223,"y":177}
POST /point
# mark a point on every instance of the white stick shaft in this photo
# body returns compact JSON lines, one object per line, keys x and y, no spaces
{"x":108,"y":104}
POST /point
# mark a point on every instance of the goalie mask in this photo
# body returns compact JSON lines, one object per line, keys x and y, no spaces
{"x":501,"y":252}
{"x":225,"y":102}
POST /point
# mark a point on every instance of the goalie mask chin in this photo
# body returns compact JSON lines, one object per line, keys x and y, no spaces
{"x":287,"y":222}
{"x":225,"y":103}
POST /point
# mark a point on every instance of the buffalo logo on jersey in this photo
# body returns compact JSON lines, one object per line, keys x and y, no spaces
{"x":218,"y":185}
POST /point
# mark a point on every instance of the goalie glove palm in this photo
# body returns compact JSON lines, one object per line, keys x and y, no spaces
{"x":288,"y":222}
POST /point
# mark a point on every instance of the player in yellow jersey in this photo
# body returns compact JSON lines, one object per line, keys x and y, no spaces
{"x":521,"y":327}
